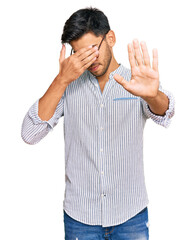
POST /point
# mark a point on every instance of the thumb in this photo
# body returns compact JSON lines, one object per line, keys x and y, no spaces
{"x":62,"y":53}
{"x":121,"y":80}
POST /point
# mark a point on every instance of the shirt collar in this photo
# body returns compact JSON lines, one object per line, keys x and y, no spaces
{"x":117,"y":70}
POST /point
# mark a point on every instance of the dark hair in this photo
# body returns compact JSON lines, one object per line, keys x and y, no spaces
{"x":84,"y":21}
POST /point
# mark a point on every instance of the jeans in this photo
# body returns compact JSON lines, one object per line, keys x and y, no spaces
{"x":135,"y":228}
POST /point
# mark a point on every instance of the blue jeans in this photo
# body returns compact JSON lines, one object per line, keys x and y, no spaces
{"x":135,"y":228}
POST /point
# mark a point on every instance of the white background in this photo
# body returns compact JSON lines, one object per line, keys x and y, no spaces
{"x":32,"y":178}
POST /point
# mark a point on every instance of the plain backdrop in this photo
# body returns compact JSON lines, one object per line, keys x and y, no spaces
{"x":32,"y":178}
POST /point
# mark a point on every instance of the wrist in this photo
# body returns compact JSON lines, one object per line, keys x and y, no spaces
{"x":158,"y":104}
{"x":61,"y":81}
{"x":151,"y":99}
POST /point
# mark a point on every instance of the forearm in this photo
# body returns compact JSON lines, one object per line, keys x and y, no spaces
{"x":159,"y":104}
{"x":50,"y":100}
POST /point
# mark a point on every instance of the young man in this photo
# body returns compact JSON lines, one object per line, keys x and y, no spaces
{"x":105,"y":106}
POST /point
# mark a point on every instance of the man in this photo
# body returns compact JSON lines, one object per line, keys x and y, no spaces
{"x":105,"y":106}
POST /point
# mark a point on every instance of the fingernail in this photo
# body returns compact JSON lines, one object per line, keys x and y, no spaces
{"x":135,"y":41}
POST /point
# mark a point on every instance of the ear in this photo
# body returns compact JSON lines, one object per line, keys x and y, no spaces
{"x":111,"y":38}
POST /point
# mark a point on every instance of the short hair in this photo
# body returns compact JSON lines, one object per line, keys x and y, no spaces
{"x":84,"y":21}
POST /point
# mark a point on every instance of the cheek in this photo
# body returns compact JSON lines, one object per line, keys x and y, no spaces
{"x":108,"y":51}
{"x":105,"y":55}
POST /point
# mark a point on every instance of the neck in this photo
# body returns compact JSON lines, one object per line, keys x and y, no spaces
{"x":113,"y":66}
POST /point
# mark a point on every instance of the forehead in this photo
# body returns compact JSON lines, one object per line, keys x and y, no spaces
{"x":86,"y":40}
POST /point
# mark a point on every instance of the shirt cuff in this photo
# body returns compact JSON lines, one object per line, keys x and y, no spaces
{"x":162,"y":120}
{"x":33,"y":114}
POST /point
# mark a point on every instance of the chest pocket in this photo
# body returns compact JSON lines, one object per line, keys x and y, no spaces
{"x":125,"y":98}
{"x":124,"y":105}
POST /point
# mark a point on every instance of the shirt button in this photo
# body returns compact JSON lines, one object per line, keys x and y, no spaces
{"x":101,"y":128}
{"x":102,"y":105}
{"x":101,"y":149}
{"x":102,"y":172}
{"x":103,"y":194}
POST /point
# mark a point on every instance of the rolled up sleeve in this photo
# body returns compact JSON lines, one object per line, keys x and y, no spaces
{"x":165,"y":120}
{"x":34,"y":129}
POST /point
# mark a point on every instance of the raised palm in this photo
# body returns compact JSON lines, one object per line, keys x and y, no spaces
{"x":144,"y":78}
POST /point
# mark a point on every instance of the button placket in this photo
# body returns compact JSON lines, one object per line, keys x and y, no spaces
{"x":101,"y":139}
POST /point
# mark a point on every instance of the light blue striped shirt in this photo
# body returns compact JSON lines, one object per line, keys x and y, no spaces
{"x":103,"y":133}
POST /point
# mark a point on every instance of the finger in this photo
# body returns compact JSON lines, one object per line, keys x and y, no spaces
{"x":131,"y":55}
{"x":82,"y":50}
{"x":87,"y":65}
{"x":62,"y":53}
{"x":87,"y":53}
{"x":145,"y":54}
{"x":155,"y":59}
{"x":138,"y":54}
{"x":90,"y":57}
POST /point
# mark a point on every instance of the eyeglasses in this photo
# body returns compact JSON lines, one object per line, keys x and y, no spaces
{"x":92,"y":45}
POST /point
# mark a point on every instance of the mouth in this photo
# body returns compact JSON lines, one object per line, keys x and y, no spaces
{"x":94,"y":68}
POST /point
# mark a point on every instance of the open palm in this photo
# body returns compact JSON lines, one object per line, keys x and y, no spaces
{"x":144,"y":78}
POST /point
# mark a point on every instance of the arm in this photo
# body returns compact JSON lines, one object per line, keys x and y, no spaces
{"x":45,"y":112}
{"x":161,"y":119}
{"x":157,"y":103}
{"x":70,"y":69}
{"x":50,"y":100}
{"x":34,"y":128}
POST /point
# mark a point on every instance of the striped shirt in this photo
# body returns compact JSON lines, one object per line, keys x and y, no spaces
{"x":103,"y":134}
